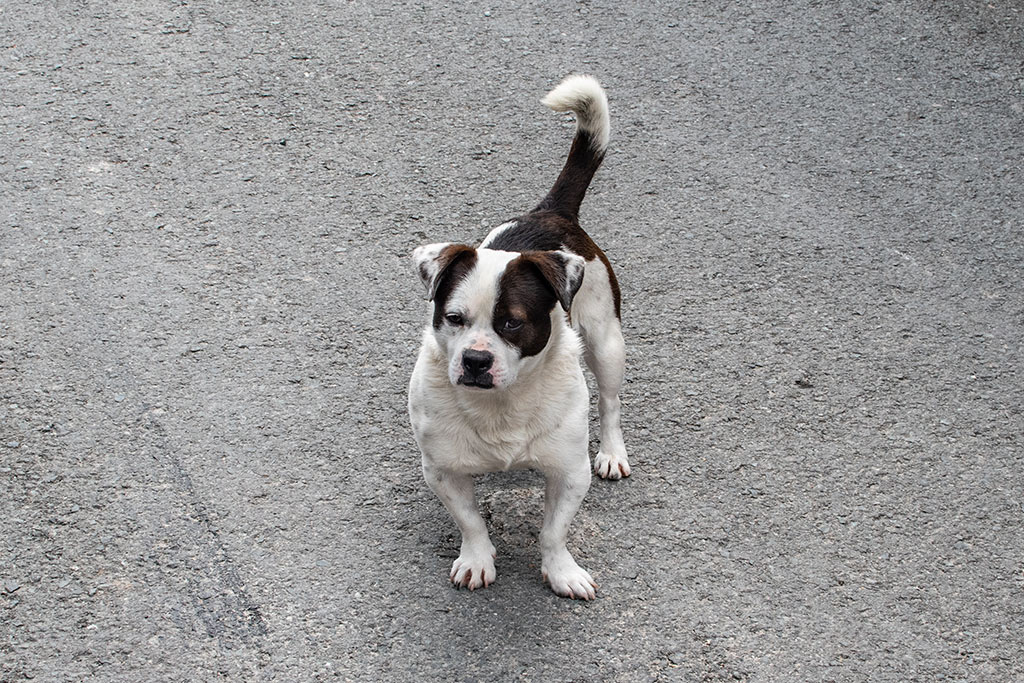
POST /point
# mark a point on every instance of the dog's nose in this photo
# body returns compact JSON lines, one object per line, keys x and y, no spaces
{"x":477,"y":362}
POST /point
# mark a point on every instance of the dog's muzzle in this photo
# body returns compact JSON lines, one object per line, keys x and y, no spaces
{"x":476,"y":366}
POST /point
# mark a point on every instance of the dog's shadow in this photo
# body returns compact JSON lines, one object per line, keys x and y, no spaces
{"x":512,"y":504}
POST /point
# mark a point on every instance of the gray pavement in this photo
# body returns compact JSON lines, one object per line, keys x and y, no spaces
{"x":208,"y":319}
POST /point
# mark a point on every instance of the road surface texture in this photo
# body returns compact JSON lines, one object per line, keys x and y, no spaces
{"x":209,"y":318}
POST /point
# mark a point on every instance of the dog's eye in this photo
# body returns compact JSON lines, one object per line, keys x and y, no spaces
{"x":454,"y":319}
{"x":512,"y":324}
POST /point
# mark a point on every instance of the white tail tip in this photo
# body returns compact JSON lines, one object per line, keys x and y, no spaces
{"x":585,"y":97}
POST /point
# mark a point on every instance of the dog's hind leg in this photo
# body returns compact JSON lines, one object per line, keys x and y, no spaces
{"x":595,"y":315}
{"x":605,"y":353}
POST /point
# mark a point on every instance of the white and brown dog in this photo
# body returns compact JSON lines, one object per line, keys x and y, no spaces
{"x":497,"y":384}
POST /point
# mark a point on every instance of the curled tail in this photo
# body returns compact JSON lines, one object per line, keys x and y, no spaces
{"x":585,"y":97}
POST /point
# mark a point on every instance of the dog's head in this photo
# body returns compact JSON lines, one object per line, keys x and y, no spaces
{"x":495,"y":311}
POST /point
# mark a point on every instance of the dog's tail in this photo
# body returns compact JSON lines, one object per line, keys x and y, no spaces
{"x":585,"y":97}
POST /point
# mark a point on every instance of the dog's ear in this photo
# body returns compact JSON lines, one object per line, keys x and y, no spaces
{"x":434,"y":261}
{"x":562,"y":271}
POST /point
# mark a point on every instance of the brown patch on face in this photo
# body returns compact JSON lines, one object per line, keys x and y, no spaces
{"x":454,"y":263}
{"x":547,"y":230}
{"x":522,"y":314}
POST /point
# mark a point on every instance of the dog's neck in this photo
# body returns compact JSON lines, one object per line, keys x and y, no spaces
{"x":531,"y":406}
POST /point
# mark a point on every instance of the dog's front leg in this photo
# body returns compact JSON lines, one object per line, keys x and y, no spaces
{"x":562,"y":497}
{"x":475,"y":565}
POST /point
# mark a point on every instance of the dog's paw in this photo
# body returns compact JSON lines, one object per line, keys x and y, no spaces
{"x":567,"y":578}
{"x":611,"y":465}
{"x":474,"y":569}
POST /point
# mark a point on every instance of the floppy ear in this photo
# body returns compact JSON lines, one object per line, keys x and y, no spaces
{"x":562,"y":270}
{"x":433,"y":261}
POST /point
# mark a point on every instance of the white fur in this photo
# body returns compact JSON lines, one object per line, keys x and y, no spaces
{"x":593,"y":315}
{"x":493,"y":234}
{"x":477,"y":431}
{"x":537,"y":421}
{"x":585,"y":97}
{"x":425,"y":258}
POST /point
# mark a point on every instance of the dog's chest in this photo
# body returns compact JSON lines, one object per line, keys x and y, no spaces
{"x":492,"y":440}
{"x":533,"y":425}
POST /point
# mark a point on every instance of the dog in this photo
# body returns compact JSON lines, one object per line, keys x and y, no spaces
{"x":497,"y":384}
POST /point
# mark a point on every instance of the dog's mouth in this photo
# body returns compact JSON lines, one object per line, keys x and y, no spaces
{"x":480,"y":381}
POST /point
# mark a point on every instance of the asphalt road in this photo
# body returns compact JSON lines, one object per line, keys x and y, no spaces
{"x":208,"y":318}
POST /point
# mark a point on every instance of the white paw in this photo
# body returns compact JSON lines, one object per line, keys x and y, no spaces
{"x":611,"y":466}
{"x":567,"y":578}
{"x":474,"y":568}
